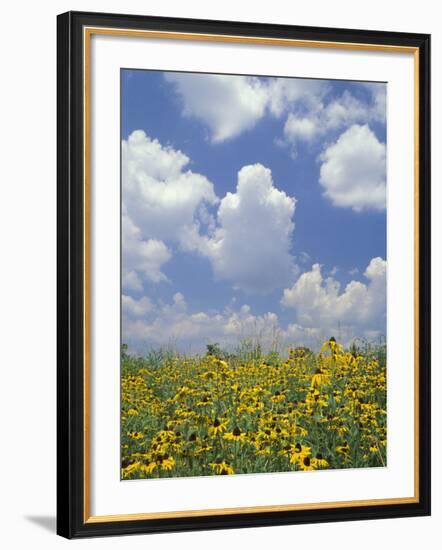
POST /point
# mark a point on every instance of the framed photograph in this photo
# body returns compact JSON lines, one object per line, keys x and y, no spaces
{"x":243,"y":274}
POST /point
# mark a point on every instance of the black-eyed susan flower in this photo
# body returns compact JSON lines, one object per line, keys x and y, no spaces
{"x":299,"y":452}
{"x":235,"y":435}
{"x":135,"y":435}
{"x":166,"y":462}
{"x":306,"y":464}
{"x":148,"y":468}
{"x":180,"y":415}
{"x":333,"y":346}
{"x":217,"y":427}
{"x":320,"y":461}
{"x":221,"y":467}
{"x":343,"y":449}
{"x":205,"y":401}
{"x":130,"y":469}
{"x":319,"y":378}
{"x":205,"y":448}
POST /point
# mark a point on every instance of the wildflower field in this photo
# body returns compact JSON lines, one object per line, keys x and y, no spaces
{"x":219,"y":414}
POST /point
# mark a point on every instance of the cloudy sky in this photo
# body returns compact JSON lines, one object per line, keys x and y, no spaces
{"x":251,"y":207}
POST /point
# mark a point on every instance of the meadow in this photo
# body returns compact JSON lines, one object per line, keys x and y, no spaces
{"x":223,"y":414}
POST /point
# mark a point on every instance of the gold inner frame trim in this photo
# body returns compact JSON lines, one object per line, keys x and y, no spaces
{"x":87,"y":34}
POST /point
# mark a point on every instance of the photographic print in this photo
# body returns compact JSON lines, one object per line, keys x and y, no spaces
{"x":237,"y":203}
{"x":253,"y":276}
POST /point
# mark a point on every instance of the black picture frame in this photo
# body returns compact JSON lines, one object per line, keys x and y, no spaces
{"x":71,"y":389}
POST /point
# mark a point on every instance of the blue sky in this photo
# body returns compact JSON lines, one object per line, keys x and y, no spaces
{"x":251,"y":207}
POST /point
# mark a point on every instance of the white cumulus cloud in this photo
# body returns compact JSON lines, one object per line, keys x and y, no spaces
{"x":141,"y":259}
{"x":320,"y":303}
{"x":160,"y":196}
{"x":147,"y":325}
{"x":227,"y":104}
{"x":353,"y":170}
{"x":303,"y":93}
{"x":135,"y":308}
{"x":304,"y":128}
{"x":251,"y":243}
{"x":161,"y":201}
{"x":337,"y":114}
{"x":232,"y":104}
{"x":247,"y":240}
{"x":321,"y":308}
